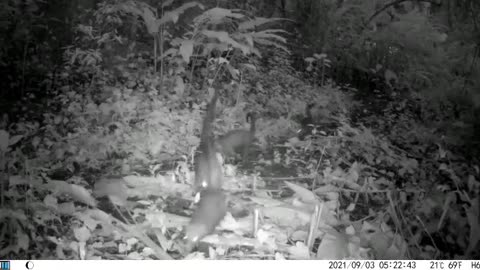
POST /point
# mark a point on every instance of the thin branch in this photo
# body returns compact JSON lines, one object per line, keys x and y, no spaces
{"x":396,"y":2}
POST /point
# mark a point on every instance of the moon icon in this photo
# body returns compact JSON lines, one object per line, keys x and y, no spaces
{"x":29,"y":265}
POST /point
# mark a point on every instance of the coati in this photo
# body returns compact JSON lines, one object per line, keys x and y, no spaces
{"x":237,"y":140}
{"x":306,"y":122}
{"x":212,"y":206}
{"x":211,"y":209}
{"x":208,"y":171}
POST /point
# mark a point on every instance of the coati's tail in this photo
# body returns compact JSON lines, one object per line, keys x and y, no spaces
{"x":308,"y":110}
{"x":253,"y":118}
{"x":207,"y":121}
{"x":306,"y":122}
{"x":208,"y":171}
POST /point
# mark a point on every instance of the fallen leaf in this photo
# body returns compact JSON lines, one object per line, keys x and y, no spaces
{"x":82,"y":234}
{"x":304,"y":194}
{"x":299,"y":251}
{"x":333,"y":246}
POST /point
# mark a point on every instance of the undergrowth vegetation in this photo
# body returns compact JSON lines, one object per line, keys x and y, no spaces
{"x":101,"y":117}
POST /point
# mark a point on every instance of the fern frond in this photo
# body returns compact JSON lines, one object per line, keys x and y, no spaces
{"x":225,"y":38}
{"x":251,"y":24}
{"x":172,"y":16}
{"x":216,"y":16}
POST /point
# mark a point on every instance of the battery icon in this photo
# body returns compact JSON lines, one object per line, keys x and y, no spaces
{"x":4,"y":265}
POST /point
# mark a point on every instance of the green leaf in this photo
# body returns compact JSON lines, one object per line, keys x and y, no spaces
{"x":4,"y":140}
{"x":186,"y":50}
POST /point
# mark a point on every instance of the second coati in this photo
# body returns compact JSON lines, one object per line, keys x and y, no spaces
{"x":237,"y":140}
{"x":208,"y":170}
